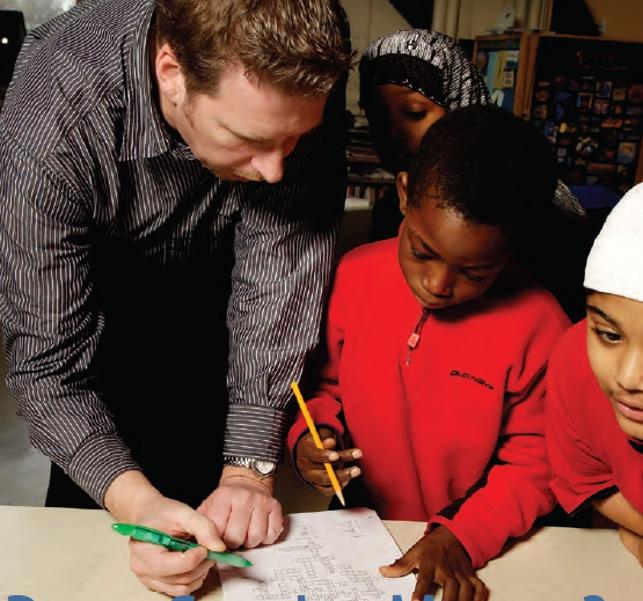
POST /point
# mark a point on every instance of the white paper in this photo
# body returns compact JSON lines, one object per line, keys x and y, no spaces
{"x":325,"y":556}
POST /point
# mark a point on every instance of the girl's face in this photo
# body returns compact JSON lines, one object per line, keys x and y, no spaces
{"x":399,"y":118}
{"x":615,"y":352}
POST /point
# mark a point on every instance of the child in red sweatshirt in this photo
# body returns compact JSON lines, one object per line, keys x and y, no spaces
{"x":594,"y":414}
{"x":437,"y":346}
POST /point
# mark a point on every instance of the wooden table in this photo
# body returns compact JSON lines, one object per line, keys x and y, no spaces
{"x":72,"y":555}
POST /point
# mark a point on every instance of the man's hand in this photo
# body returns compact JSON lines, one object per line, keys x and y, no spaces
{"x":439,"y":558}
{"x":131,"y":498}
{"x":310,"y":461}
{"x":243,"y":509}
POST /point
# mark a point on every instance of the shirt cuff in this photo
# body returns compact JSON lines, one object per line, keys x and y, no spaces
{"x":478,"y":559}
{"x":98,"y":462}
{"x":597,"y":496}
{"x":255,"y":431}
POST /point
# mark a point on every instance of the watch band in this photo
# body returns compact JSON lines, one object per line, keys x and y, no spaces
{"x":263,"y":468}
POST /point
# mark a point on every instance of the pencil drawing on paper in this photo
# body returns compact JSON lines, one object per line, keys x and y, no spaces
{"x":326,"y":555}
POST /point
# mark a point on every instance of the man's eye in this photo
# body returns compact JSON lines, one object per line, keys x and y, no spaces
{"x":607,"y":335}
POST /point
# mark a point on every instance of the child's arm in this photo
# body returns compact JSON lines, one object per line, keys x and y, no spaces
{"x":632,"y":542}
{"x":514,"y":492}
{"x":325,"y":408}
{"x":310,"y":461}
{"x":618,"y":509}
{"x":579,"y":475}
{"x":503,"y":504}
{"x":439,"y":557}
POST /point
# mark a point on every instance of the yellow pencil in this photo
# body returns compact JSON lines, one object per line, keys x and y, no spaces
{"x":318,"y":443}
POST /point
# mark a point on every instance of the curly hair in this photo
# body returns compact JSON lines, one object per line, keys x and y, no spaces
{"x":488,"y":165}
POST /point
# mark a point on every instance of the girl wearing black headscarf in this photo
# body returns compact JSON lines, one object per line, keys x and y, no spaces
{"x":411,"y":78}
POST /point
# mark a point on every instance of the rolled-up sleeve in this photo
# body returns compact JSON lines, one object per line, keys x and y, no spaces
{"x":284,"y":248}
{"x":51,"y":324}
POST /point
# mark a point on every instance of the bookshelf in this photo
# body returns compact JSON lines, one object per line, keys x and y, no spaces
{"x":367,"y":179}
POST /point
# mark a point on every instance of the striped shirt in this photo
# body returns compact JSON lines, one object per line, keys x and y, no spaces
{"x":84,"y":152}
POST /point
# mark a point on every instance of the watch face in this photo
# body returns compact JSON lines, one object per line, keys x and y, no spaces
{"x":264,"y":467}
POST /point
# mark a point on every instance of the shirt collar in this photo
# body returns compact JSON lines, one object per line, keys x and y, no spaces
{"x":145,"y":133}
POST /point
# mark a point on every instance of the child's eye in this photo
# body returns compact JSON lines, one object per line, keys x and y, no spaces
{"x":607,"y":335}
{"x":416,"y":115}
{"x":474,"y":278}
{"x":418,"y":254}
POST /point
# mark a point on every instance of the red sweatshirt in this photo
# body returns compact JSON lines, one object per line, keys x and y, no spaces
{"x":461,"y":410}
{"x":591,"y":457}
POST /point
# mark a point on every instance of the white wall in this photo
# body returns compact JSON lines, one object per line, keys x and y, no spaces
{"x":472,"y":18}
{"x":36,"y":12}
{"x":483,"y":16}
{"x":623,"y":18}
{"x":369,"y":19}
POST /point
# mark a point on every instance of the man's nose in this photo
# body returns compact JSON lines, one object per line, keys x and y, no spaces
{"x":270,"y":165}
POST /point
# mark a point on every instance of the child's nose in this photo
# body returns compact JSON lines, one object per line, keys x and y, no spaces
{"x":630,"y":370}
{"x":438,"y":281}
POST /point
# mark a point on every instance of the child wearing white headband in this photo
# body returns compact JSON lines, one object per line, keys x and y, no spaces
{"x":595,"y":383}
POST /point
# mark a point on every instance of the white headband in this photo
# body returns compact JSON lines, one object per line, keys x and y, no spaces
{"x":615,"y":263}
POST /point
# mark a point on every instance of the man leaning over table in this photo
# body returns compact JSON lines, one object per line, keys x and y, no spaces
{"x":171,"y":191}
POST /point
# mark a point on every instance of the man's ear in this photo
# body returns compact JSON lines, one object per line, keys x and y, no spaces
{"x":401,"y":183}
{"x":168,"y":75}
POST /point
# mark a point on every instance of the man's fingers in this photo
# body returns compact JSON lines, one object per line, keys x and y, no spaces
{"x":199,"y":573}
{"x":173,"y":590}
{"x":257,"y":529}
{"x":275,"y":525}
{"x":237,"y":526}
{"x":219,"y":515}
{"x":147,"y":560}
{"x":171,"y":572}
{"x":204,"y":530}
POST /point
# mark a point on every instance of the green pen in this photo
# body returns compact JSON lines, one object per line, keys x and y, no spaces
{"x":156,"y":537}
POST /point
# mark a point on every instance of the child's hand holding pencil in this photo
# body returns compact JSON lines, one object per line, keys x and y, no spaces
{"x":318,"y":461}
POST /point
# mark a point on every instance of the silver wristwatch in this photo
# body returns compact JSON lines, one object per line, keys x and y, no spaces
{"x":262,"y":467}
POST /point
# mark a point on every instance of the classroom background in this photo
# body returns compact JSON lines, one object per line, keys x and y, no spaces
{"x":572,"y":67}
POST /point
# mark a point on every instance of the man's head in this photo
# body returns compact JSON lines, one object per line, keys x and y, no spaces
{"x":483,"y":177}
{"x":243,"y":80}
{"x":614,"y":281}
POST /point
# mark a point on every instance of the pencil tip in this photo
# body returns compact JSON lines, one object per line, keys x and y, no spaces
{"x":340,"y":496}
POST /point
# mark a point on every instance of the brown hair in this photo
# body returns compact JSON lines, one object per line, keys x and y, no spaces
{"x":298,"y":46}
